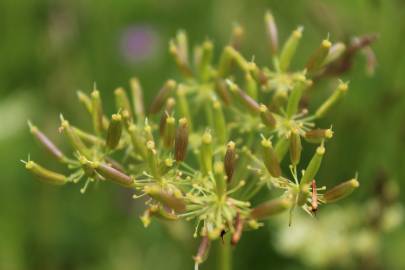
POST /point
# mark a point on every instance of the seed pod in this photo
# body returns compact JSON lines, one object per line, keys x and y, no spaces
{"x":243,"y":64}
{"x":221,"y":131}
{"x":182,"y":46}
{"x":267,"y":117}
{"x":179,"y":50}
{"x":137,"y":99}
{"x":230,"y":160}
{"x":237,"y":36}
{"x":312,"y":167}
{"x":289,"y":48}
{"x":317,"y":60}
{"x":161,"y":97}
{"x":332,"y":100}
{"x":318,"y":135}
{"x":138,"y":142}
{"x":247,"y":101}
{"x":251,"y":86}
{"x":220,"y":179}
{"x":295,"y":147}
{"x":160,"y":212}
{"x":114,"y":131}
{"x":341,"y":191}
{"x":271,"y":31}
{"x":270,"y":208}
{"x":204,"y":65}
{"x":46,"y":143}
{"x":74,"y":139}
{"x":152,"y":159}
{"x":122,"y":101}
{"x":168,"y":111}
{"x":335,"y":52}
{"x":170,"y":200}
{"x":203,"y":250}
{"x":183,"y":105}
{"x":225,"y":62}
{"x":181,"y":141}
{"x":222,"y":91}
{"x":45,"y":174}
{"x":113,"y":174}
{"x":281,"y":148}
{"x":239,"y":223}
{"x":170,"y":132}
{"x":270,"y":159}
{"x":97,"y":111}
{"x":85,"y":100}
{"x":295,"y":97}
{"x":206,"y":153}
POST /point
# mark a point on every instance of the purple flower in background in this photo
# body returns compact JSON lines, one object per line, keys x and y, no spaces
{"x":138,"y":43}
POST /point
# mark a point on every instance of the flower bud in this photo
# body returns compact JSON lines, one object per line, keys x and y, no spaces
{"x":230,"y":160}
{"x":170,"y":200}
{"x":270,"y":159}
{"x":46,"y":143}
{"x":113,"y":174}
{"x":332,"y":100}
{"x":137,"y":98}
{"x":267,"y":117}
{"x":221,"y":131}
{"x":161,"y":97}
{"x":181,"y":141}
{"x":222,"y":91}
{"x":122,"y":101}
{"x":45,"y":174}
{"x":271,"y":31}
{"x":340,"y":191}
{"x":317,"y":60}
{"x":203,"y":250}
{"x":294,"y":98}
{"x":295,"y":147}
{"x":318,"y":135}
{"x":206,"y":153}
{"x":289,"y":48}
{"x":270,"y":208}
{"x":170,"y":132}
{"x":313,"y":167}
{"x":97,"y":111}
{"x":114,"y":131}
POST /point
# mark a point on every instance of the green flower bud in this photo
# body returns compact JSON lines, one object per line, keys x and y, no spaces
{"x":170,"y":132}
{"x":225,"y":62}
{"x":332,"y":100}
{"x":313,"y":167}
{"x":289,"y":48}
{"x":271,"y":31}
{"x":181,"y":141}
{"x":295,"y":147}
{"x":318,"y":135}
{"x":230,"y":160}
{"x":173,"y":201}
{"x":270,"y":159}
{"x":270,"y":208}
{"x":97,"y":111}
{"x":161,"y":97}
{"x":220,"y":128}
{"x":114,"y":131}
{"x":122,"y":101}
{"x":340,"y":191}
{"x":267,"y":117}
{"x":206,"y":154}
{"x":45,"y":174}
{"x":137,"y":99}
{"x":295,"y":97}
{"x":317,"y":60}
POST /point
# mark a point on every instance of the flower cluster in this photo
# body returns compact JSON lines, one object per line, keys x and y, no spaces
{"x":212,"y":140}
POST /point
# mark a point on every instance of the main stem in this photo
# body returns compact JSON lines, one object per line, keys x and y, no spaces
{"x":224,"y":254}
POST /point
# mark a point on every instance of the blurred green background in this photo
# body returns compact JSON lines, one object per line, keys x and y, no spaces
{"x":50,"y":49}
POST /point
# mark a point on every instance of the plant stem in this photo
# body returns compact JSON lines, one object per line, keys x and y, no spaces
{"x":224,"y":253}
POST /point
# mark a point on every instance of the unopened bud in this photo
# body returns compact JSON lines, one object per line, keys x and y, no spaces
{"x":230,"y":160}
{"x":295,"y":147}
{"x":313,"y":167}
{"x":341,"y":191}
{"x":114,"y":131}
{"x":270,"y":159}
{"x":289,"y":48}
{"x":161,"y":97}
{"x":181,"y":141}
{"x":45,"y":174}
{"x":270,"y":208}
{"x":170,"y":132}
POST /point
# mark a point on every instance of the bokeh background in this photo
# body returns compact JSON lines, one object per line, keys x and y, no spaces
{"x":50,"y":49}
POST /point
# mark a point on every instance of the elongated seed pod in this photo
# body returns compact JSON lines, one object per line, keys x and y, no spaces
{"x":181,"y":142}
{"x":294,"y":98}
{"x":74,"y":139}
{"x":314,"y":198}
{"x":137,"y":99}
{"x":230,"y":160}
{"x":170,"y":132}
{"x":332,"y":100}
{"x":85,"y":100}
{"x":113,"y":174}
{"x":341,"y":191}
{"x":220,"y":179}
{"x":237,"y":36}
{"x":222,"y":91}
{"x":335,"y":52}
{"x":270,"y":208}
{"x":160,"y":212}
{"x":179,"y":50}
{"x":251,"y":86}
{"x":122,"y":101}
{"x":267,"y":117}
{"x":152,"y":159}
{"x":318,"y":135}
{"x":221,"y":131}
{"x":97,"y":111}
{"x":289,"y":48}
{"x":271,"y":31}
{"x":203,"y":250}
{"x":312,"y":167}
{"x":270,"y":159}
{"x":114,"y":131}
{"x":49,"y":146}
{"x":170,"y":103}
{"x":137,"y":141}
{"x":281,"y":148}
{"x":317,"y":60}
{"x":206,"y":154}
{"x":247,"y":101}
{"x":295,"y":147}
{"x":225,"y":62}
{"x":204,"y":65}
{"x":161,"y":97}
{"x":45,"y":174}
{"x":170,"y":200}
{"x":183,"y":105}
{"x":239,"y":223}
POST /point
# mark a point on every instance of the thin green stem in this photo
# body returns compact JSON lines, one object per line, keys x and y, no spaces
{"x":224,"y":253}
